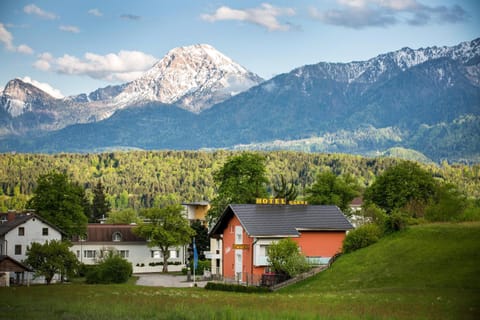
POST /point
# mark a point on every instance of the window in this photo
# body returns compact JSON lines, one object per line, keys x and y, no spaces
{"x":117,"y":236}
{"x":18,"y":249}
{"x":78,"y":253}
{"x":174,"y":254}
{"x":89,"y":254}
{"x":21,"y":231}
{"x":123,"y":253}
{"x":156,"y":254}
{"x":44,"y":231}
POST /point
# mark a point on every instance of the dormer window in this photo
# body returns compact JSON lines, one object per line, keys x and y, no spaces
{"x":117,"y":236}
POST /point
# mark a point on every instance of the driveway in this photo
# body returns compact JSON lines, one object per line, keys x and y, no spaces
{"x":166,"y":280}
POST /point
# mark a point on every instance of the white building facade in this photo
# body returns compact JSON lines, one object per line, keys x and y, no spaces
{"x":17,"y":232}
{"x":119,"y":238}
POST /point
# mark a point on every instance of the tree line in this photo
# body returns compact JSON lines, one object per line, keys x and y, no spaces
{"x":139,"y":179}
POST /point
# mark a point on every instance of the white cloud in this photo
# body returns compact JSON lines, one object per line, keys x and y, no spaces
{"x":45,"y":87}
{"x":23,"y":48}
{"x":114,"y":67}
{"x":7,"y":39}
{"x":266,"y":16}
{"x":33,"y":9}
{"x":95,"y":12}
{"x":72,"y":29}
{"x":383,"y":13}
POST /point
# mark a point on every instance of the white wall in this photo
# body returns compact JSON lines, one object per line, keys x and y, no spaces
{"x":215,"y":255}
{"x":33,"y":233}
{"x":138,"y":254}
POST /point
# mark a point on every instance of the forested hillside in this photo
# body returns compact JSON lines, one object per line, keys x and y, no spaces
{"x":138,"y":178}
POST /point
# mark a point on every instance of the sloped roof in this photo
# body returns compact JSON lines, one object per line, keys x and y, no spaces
{"x":282,"y":220}
{"x":21,"y":218}
{"x":20,"y":266}
{"x":99,"y":232}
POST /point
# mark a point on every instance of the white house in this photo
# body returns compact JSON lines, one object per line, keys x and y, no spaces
{"x":17,"y":232}
{"x":120,"y":238}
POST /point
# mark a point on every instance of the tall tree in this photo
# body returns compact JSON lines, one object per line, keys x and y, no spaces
{"x":60,"y":202}
{"x":330,"y":189}
{"x":399,"y":185}
{"x":202,"y":240}
{"x":283,"y":191}
{"x":100,"y":205}
{"x":165,"y":228}
{"x":52,"y":257}
{"x":242,"y":179}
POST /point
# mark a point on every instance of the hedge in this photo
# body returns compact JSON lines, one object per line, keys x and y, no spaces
{"x":235,"y":288}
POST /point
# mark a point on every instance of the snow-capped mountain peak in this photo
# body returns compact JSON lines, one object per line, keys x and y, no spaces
{"x":20,"y":96}
{"x":193,"y":77}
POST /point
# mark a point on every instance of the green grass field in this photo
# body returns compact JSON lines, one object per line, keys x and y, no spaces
{"x":425,"y":272}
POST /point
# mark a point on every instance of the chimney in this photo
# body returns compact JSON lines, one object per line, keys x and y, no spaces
{"x":11,"y":215}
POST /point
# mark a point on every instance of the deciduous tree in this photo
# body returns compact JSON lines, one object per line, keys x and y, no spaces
{"x":52,"y":257}
{"x":399,"y":185}
{"x":242,"y":179}
{"x":60,"y":202}
{"x":165,"y":228}
{"x":330,"y":189}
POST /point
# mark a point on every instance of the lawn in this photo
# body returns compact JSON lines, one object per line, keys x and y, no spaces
{"x":426,"y":272}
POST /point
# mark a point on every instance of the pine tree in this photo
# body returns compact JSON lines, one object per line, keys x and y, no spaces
{"x":100,"y":206}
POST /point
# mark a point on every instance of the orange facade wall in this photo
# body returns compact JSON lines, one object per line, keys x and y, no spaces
{"x":320,"y":243}
{"x":311,"y":243}
{"x":229,"y":251}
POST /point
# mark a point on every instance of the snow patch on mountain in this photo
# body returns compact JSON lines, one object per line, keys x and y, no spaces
{"x":194,"y":77}
{"x":44,"y":87}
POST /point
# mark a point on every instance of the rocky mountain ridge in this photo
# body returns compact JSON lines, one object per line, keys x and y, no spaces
{"x":426,"y":100}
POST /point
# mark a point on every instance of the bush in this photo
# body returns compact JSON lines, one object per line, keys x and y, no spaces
{"x":361,"y":237}
{"x":201,"y":267}
{"x":448,"y":204}
{"x":396,"y":221}
{"x":235,"y":288}
{"x":84,"y":269}
{"x":113,"y":269}
{"x":285,"y":258}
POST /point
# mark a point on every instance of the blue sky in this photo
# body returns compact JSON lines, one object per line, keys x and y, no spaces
{"x":77,"y":46}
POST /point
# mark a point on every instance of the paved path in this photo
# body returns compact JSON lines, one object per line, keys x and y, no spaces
{"x":165,"y":280}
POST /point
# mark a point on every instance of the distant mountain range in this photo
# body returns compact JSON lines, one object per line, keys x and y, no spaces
{"x":426,"y":101}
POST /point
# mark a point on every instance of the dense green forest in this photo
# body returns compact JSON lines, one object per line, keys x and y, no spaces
{"x":138,"y":179}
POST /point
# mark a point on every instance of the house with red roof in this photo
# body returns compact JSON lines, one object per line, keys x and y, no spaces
{"x":120,"y":238}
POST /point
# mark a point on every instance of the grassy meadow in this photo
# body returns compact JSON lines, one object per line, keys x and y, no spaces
{"x":426,"y":272}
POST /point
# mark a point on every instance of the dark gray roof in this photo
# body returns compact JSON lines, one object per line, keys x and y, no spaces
{"x":282,"y":220}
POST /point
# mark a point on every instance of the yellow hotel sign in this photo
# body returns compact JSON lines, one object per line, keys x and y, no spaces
{"x":280,"y":201}
{"x":240,"y":246}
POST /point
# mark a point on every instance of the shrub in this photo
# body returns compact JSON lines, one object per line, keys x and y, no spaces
{"x":201,"y":267}
{"x":84,"y":269}
{"x":285,"y":258}
{"x":235,"y":288}
{"x":113,"y":269}
{"x":396,"y":221}
{"x":361,"y":237}
{"x":448,"y":204}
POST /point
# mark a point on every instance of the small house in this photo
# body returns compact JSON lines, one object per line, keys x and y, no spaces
{"x":246,"y":230}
